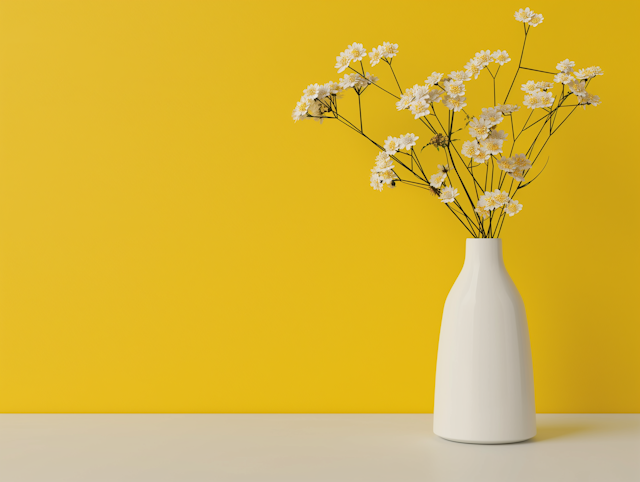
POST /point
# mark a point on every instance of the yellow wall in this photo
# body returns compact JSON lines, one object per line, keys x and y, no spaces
{"x":171,"y":242}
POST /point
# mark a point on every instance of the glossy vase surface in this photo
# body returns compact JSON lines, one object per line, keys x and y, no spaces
{"x":484,"y":375}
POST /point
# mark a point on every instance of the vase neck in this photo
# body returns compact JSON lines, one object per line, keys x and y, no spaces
{"x":483,"y":253}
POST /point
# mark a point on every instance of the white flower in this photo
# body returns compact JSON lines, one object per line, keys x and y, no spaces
{"x":538,"y":99}
{"x":388,"y":176}
{"x":454,"y":103}
{"x":371,"y":78}
{"x":334,"y":87}
{"x":514,"y":207}
{"x":536,"y":20}
{"x":482,"y":212}
{"x":473,"y":68}
{"x":420,"y":92}
{"x":420,"y":108}
{"x":484,"y":57}
{"x":491,"y":145}
{"x":517,"y":174}
{"x":383,"y":162}
{"x":501,"y":135}
{"x":362,"y":82}
{"x":376,"y":181}
{"x":298,"y":114}
{"x":493,"y":115}
{"x":482,"y":156}
{"x":460,"y":75}
{"x":349,"y":80}
{"x":544,"y":85}
{"x":407,"y":141}
{"x":470,"y":149}
{"x":435,"y":95}
{"x":530,"y":87}
{"x":317,"y":109}
{"x":501,"y":197}
{"x":591,"y":99}
{"x":524,"y":15}
{"x":390,"y":50}
{"x":375,"y":55}
{"x":437,"y":179}
{"x":505,"y":164}
{"x":508,"y":109}
{"x":342,"y":61}
{"x":392,"y":145}
{"x":454,"y":88}
{"x":501,"y":57}
{"x":311,"y":91}
{"x":520,"y":161}
{"x":487,"y":202}
{"x":578,"y":88}
{"x":324,"y":91}
{"x":404,"y":102}
{"x":588,"y":73}
{"x":563,"y":78}
{"x":566,"y":66}
{"x":433,"y":79}
{"x":356,"y":52}
{"x":479,"y":128}
{"x":448,"y":194}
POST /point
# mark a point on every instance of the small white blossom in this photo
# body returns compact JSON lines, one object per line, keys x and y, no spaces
{"x":536,"y":20}
{"x":473,"y":68}
{"x":356,"y":52}
{"x":456,"y":104}
{"x":484,"y":57}
{"x":375,"y":55}
{"x":470,"y":149}
{"x":491,"y":145}
{"x":566,"y":66}
{"x":501,"y":57}
{"x":578,"y":88}
{"x":392,"y":145}
{"x":420,"y":108}
{"x":390,"y":50}
{"x":437,"y":179}
{"x":479,"y":128}
{"x":448,"y":194}
{"x":492,"y":114}
{"x":454,"y":88}
{"x":563,"y":78}
{"x":407,"y":141}
{"x":508,"y":109}
{"x":460,"y":75}
{"x":433,"y":79}
{"x":524,"y":15}
{"x":404,"y":102}
{"x":513,"y":208}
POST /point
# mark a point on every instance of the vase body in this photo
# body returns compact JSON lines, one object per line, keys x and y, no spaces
{"x":484,"y":375}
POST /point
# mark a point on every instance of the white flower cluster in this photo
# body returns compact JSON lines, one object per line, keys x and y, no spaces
{"x":537,"y":95}
{"x":514,"y":166}
{"x":419,"y":97}
{"x":314,"y":101}
{"x":448,"y":194}
{"x":495,"y":200}
{"x":488,"y":140}
{"x":529,"y":17}
{"x":483,"y":59}
{"x":568,"y":77}
{"x":385,"y":51}
{"x":356,"y":52}
{"x":382,"y":172}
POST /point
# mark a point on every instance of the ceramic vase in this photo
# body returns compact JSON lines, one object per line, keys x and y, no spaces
{"x":484,"y":375}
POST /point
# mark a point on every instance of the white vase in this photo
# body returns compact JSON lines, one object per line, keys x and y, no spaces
{"x":484,"y":375}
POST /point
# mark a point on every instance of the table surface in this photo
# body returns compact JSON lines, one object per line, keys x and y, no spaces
{"x":307,"y":448}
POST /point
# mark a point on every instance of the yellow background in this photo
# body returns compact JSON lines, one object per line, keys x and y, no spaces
{"x":170,"y":241}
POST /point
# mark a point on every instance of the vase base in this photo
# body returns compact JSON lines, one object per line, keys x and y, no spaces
{"x":487,"y":442}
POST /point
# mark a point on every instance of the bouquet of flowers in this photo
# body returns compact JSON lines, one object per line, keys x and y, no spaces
{"x":477,"y":180}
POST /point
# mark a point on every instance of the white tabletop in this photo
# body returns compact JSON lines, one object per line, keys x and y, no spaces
{"x":305,"y":448}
